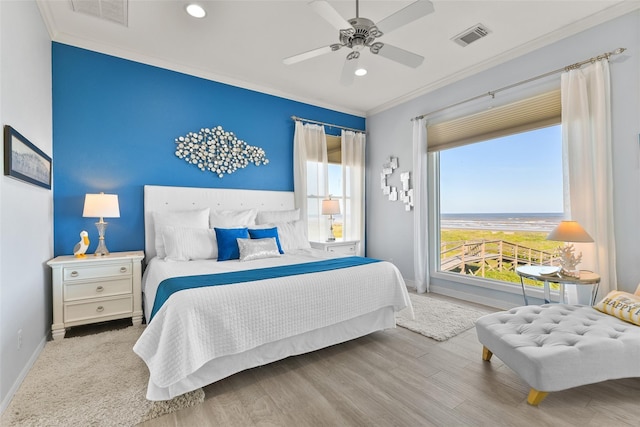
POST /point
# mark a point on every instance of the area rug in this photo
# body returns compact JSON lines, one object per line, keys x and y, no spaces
{"x":439,"y":319}
{"x":90,"y":380}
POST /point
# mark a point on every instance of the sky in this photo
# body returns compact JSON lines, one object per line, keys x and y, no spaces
{"x":519,"y":173}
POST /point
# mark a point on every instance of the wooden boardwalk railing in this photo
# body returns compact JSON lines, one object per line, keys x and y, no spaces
{"x":507,"y":256}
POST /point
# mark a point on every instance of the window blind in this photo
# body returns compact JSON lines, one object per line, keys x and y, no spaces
{"x":521,"y":116}
{"x":334,"y":149}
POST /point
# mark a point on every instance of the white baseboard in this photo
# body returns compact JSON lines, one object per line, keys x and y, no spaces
{"x":23,"y":374}
{"x":443,"y":290}
{"x":490,"y":302}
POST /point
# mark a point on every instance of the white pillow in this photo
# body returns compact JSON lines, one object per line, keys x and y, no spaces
{"x":293,"y":235}
{"x":265,"y":217}
{"x":186,"y":244}
{"x":232,"y":218}
{"x":197,"y":218}
{"x":251,"y":249}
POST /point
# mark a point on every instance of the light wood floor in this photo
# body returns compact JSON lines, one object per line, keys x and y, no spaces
{"x":400,"y":378}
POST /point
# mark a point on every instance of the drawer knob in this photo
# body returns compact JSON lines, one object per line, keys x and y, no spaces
{"x":99,"y":289}
{"x":100,"y":308}
{"x":123,"y":269}
{"x":74,"y":274}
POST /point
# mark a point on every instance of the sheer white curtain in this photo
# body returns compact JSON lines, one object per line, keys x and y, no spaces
{"x":310,"y":173}
{"x":587,"y":165}
{"x":353,"y":178}
{"x":420,"y":225}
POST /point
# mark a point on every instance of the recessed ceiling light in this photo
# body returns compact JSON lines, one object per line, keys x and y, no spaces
{"x":196,"y":10}
{"x":360,"y":72}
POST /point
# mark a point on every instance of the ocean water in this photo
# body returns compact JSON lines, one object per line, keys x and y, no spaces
{"x":502,"y":221}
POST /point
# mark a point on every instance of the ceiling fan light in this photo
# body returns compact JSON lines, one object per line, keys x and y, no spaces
{"x":196,"y":10}
{"x":360,"y":72}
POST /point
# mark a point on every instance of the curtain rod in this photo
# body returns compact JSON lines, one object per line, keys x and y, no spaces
{"x":492,"y":93}
{"x":326,"y":124}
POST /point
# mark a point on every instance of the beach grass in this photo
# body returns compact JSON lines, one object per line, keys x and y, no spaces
{"x":531,"y":239}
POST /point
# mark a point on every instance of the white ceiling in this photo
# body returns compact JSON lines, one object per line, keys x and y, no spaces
{"x":243,"y":42}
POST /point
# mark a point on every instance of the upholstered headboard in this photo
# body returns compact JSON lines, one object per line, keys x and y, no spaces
{"x":162,"y":199}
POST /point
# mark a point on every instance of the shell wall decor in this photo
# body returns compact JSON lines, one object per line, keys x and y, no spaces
{"x":387,"y":169}
{"x":218,"y":151}
{"x":406,"y":194}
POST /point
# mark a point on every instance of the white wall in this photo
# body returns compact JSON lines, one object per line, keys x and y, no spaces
{"x":26,"y":211}
{"x":390,"y":228}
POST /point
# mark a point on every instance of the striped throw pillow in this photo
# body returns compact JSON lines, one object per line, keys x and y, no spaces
{"x":622,"y":305}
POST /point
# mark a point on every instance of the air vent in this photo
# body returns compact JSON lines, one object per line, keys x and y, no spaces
{"x":110,"y":10}
{"x":470,"y":35}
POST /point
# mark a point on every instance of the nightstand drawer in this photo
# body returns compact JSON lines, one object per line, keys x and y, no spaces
{"x":96,"y":271}
{"x":76,"y":291}
{"x":97,"y":309}
{"x":346,"y":247}
{"x":343,"y":249}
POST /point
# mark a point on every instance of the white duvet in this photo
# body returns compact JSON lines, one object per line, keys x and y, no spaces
{"x":196,"y":326}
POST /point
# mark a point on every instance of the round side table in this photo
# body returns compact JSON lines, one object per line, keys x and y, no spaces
{"x":547,"y":274}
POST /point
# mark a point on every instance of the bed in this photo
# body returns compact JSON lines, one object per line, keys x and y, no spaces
{"x":284,"y":304}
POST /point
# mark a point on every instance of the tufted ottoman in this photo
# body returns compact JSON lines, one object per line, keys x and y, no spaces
{"x":558,"y":346}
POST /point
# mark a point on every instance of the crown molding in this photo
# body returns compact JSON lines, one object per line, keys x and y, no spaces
{"x":47,"y":16}
{"x":591,"y":21}
{"x":610,"y":13}
{"x":136,"y":56}
{"x":108,"y":49}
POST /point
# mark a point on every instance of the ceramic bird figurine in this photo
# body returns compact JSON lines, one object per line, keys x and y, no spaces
{"x":81,"y":247}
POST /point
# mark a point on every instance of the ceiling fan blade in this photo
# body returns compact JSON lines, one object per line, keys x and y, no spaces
{"x":307,"y":55}
{"x":415,"y":10}
{"x":348,"y":71}
{"x":400,"y":55}
{"x":324,"y":9}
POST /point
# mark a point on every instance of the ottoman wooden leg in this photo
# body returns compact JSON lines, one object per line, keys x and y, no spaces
{"x":486,"y":354}
{"x":535,"y":397}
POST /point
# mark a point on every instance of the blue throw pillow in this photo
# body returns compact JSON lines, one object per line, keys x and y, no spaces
{"x":263,"y":233}
{"x":227,"y":244}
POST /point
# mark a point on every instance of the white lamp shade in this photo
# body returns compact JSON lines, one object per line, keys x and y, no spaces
{"x":330,"y":207}
{"x":101,"y":206}
{"x":569,"y":231}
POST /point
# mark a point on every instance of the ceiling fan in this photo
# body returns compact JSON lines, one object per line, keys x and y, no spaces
{"x":358,"y":33}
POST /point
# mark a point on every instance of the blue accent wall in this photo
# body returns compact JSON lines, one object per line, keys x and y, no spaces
{"x":114,"y":125}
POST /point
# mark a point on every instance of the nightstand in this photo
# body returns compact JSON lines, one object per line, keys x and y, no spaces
{"x":339,"y":246}
{"x":95,"y":289}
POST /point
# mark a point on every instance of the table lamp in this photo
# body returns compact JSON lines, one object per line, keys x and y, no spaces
{"x":569,"y":232}
{"x":330,"y":207}
{"x":101,"y":206}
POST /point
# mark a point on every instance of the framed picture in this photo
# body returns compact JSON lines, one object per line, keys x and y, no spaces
{"x":25,"y":161}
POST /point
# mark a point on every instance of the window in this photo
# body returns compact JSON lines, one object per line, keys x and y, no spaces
{"x":333,"y":166}
{"x":318,"y":223}
{"x":499,"y":189}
